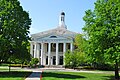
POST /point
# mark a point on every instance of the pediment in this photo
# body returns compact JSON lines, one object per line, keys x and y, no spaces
{"x":53,"y":37}
{"x":57,"y":31}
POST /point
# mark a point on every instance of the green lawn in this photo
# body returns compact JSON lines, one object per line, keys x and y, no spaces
{"x":13,"y":75}
{"x":3,"y":69}
{"x":76,"y":76}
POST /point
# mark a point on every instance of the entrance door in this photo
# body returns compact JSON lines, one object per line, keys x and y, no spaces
{"x":54,"y":60}
{"x":61,"y":60}
{"x":46,"y":60}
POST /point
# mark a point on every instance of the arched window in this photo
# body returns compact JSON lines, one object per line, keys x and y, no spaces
{"x":53,"y":36}
{"x":62,"y":19}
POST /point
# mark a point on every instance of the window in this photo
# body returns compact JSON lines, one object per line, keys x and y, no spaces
{"x":53,"y":47}
{"x":60,"y":47}
{"x":53,"y":36}
{"x":62,"y":19}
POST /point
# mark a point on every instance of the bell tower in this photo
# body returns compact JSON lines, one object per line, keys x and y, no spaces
{"x":62,"y":20}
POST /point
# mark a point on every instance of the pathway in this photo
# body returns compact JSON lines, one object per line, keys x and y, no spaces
{"x":36,"y":75}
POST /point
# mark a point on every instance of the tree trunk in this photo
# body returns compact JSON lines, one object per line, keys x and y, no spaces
{"x":116,"y":71}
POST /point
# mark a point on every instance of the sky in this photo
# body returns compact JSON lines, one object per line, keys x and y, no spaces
{"x":45,"y":13}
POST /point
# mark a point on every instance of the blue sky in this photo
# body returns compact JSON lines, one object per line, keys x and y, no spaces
{"x":45,"y":13}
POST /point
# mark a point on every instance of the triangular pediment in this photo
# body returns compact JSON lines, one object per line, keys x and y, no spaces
{"x":56,"y":31}
{"x":53,"y":37}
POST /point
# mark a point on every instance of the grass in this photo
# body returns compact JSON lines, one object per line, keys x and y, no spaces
{"x":3,"y":64}
{"x":55,"y":75}
{"x":76,"y":76}
{"x":13,"y":74}
{"x":3,"y":69}
{"x":6,"y":68}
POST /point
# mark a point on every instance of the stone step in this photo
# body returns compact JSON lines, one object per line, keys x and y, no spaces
{"x":54,"y":66}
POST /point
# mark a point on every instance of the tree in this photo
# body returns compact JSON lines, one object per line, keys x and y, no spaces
{"x":15,"y":24}
{"x":80,"y":43}
{"x":76,"y":57}
{"x":102,"y":27}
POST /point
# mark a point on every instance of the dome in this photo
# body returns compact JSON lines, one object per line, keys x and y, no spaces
{"x":62,"y":13}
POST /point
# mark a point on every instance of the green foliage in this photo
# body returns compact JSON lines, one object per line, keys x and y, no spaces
{"x":16,"y":61}
{"x":80,"y":42}
{"x":102,"y":66}
{"x":77,"y":57}
{"x":81,"y":47}
{"x":68,"y":58}
{"x":74,"y":59}
{"x":34,"y":62}
{"x":102,"y":26}
{"x":15,"y":24}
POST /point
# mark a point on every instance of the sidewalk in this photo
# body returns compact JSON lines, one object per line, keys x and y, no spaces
{"x":34,"y":76}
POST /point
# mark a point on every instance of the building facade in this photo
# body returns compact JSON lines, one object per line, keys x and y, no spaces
{"x":50,"y":46}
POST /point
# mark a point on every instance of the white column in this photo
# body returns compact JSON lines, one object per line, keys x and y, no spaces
{"x":44,"y":59}
{"x":51,"y":60}
{"x":64,"y":47}
{"x":42,"y":53}
{"x":38,"y":51}
{"x":31,"y":49}
{"x":57,"y":59}
{"x":35,"y":50}
{"x":49,"y":52}
{"x":64,"y":50}
{"x":71,"y":47}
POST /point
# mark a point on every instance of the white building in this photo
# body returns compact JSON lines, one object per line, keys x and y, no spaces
{"x":49,"y":46}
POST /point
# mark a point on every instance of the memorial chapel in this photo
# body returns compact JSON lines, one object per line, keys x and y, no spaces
{"x":50,"y":46}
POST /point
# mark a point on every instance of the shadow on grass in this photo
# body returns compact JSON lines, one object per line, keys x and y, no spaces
{"x":61,"y":75}
{"x":110,"y":77}
{"x":14,"y":74}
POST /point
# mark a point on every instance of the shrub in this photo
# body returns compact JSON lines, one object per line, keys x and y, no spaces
{"x":88,"y":67}
{"x":34,"y":62}
{"x":18,"y":65}
{"x":74,"y":59}
{"x":103,"y":66}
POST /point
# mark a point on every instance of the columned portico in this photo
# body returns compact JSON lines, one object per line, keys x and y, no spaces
{"x":50,"y":46}
{"x":42,"y":51}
